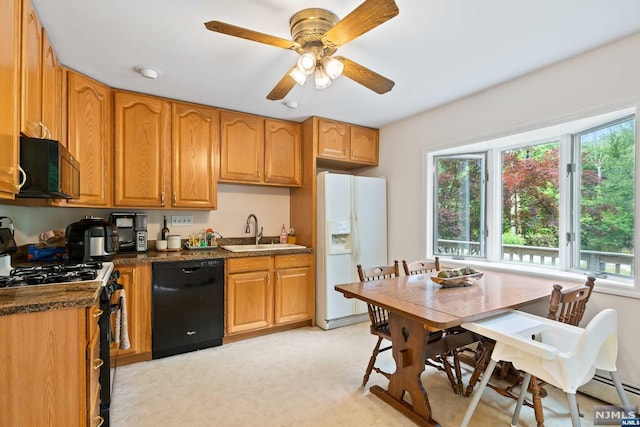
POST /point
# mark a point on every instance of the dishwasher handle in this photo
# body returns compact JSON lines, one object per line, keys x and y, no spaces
{"x":189,"y":270}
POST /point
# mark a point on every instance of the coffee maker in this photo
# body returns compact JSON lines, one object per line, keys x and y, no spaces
{"x":132,"y":230}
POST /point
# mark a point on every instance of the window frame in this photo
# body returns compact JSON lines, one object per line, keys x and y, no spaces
{"x":561,"y":132}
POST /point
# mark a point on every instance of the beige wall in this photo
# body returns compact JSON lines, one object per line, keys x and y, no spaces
{"x":598,"y":81}
{"x":235,"y":203}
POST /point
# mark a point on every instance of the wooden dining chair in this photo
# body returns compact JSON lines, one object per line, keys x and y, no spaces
{"x":421,"y":267}
{"x":378,"y":316}
{"x":565,"y":306}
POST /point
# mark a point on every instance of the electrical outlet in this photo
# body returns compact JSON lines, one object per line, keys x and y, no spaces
{"x":181,"y":220}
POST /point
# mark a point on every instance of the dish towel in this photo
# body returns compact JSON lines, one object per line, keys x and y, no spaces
{"x":121,"y":334}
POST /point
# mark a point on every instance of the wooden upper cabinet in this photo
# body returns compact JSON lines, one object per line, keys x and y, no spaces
{"x":241,"y":147}
{"x":342,"y":144}
{"x":31,"y":63}
{"x":89,"y":140}
{"x":333,"y":140}
{"x":282,"y":153}
{"x":142,"y":151}
{"x":364,"y":145}
{"x":194,"y":142}
{"x":10,"y":99}
{"x":51,"y":90}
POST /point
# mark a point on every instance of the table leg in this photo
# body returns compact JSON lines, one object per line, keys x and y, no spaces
{"x":408,"y":339}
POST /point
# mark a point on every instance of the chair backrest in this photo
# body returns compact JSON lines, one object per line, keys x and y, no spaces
{"x":568,"y":306}
{"x":378,"y":272}
{"x":421,"y":267}
{"x":597,"y":347}
{"x":379,"y":316}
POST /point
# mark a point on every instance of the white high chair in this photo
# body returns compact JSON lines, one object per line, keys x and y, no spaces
{"x":563,"y":355}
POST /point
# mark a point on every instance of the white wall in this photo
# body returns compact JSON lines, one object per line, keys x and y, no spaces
{"x":235,"y":203}
{"x":598,"y":81}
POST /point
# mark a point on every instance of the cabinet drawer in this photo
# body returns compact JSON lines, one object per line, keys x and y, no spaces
{"x":285,"y":261}
{"x":93,"y":317}
{"x":237,"y":265}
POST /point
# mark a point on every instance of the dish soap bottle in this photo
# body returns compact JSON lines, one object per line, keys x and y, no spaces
{"x":283,"y":235}
{"x":164,"y":233}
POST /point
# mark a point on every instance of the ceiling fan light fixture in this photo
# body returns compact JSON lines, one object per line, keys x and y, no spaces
{"x":307,"y":63}
{"x":333,"y":67}
{"x":323,"y":80}
{"x":298,"y":76}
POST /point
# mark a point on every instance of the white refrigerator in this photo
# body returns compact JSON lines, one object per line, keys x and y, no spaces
{"x":351,"y":230}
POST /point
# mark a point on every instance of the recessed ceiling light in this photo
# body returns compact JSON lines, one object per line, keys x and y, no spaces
{"x":148,"y":72}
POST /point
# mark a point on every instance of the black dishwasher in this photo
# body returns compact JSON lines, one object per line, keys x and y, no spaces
{"x":187,"y":305}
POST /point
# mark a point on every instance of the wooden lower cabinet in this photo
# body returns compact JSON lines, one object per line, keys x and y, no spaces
{"x":136,"y":281}
{"x":268,"y":291}
{"x":49,"y":368}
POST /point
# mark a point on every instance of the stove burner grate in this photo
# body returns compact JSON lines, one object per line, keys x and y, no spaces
{"x":50,"y":274}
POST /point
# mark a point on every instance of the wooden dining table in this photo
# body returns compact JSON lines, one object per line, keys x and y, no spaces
{"x":417,"y":305}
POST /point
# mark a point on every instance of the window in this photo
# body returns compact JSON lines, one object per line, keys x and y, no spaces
{"x":561,"y":197}
{"x":604,"y":199}
{"x":459,"y":224}
{"x":530,"y":204}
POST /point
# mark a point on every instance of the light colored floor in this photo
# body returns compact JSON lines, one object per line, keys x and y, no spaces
{"x":306,"y":377}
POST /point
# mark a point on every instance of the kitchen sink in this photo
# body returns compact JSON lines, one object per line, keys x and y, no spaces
{"x":263,"y":247}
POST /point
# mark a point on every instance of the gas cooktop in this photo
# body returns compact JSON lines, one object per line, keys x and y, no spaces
{"x":57,"y":274}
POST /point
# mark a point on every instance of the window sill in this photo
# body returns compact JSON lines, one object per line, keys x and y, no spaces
{"x":607,"y":286}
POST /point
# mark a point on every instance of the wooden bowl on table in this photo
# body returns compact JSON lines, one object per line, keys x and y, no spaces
{"x":457,"y":281}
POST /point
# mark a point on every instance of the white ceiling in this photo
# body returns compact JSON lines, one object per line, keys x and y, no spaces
{"x":436,"y":51}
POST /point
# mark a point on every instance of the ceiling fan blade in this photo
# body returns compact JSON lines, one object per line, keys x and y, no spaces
{"x":364,"y":76}
{"x":283,"y":87}
{"x":363,"y":18}
{"x":232,"y":30}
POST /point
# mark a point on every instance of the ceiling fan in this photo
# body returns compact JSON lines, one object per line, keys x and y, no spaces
{"x":316,"y":36}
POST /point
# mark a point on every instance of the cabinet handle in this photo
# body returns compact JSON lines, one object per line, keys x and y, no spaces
{"x":268,"y":280}
{"x":24,"y":177}
{"x":98,"y":313}
{"x":258,"y":174}
{"x":162,"y":198}
{"x":98,"y":363}
{"x":175,"y":199}
{"x":353,"y":153}
{"x":100,"y":419}
{"x":277,"y":278}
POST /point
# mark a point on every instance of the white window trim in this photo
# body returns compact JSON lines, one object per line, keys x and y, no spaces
{"x":616,"y":286}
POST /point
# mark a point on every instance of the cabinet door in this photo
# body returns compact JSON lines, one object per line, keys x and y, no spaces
{"x":364,"y":145}
{"x":292,"y":296}
{"x":31,"y":118}
{"x":333,"y":140}
{"x":10,"y":100}
{"x":249,"y":301}
{"x":142,"y":151}
{"x":89,"y":117}
{"x":51,"y":90}
{"x":241,"y":147}
{"x":282,"y":153}
{"x":294,"y":288}
{"x":136,"y":282}
{"x":194,"y":143}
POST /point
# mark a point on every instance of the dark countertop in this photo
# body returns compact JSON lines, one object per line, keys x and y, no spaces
{"x":133,"y":258}
{"x":29,"y":299}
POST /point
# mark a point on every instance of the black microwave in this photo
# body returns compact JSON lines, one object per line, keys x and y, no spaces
{"x":50,"y":170}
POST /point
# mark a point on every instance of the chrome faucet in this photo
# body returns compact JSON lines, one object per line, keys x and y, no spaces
{"x":248,"y":229}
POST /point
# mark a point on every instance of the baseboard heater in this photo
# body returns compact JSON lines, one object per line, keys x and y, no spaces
{"x":601,"y":387}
